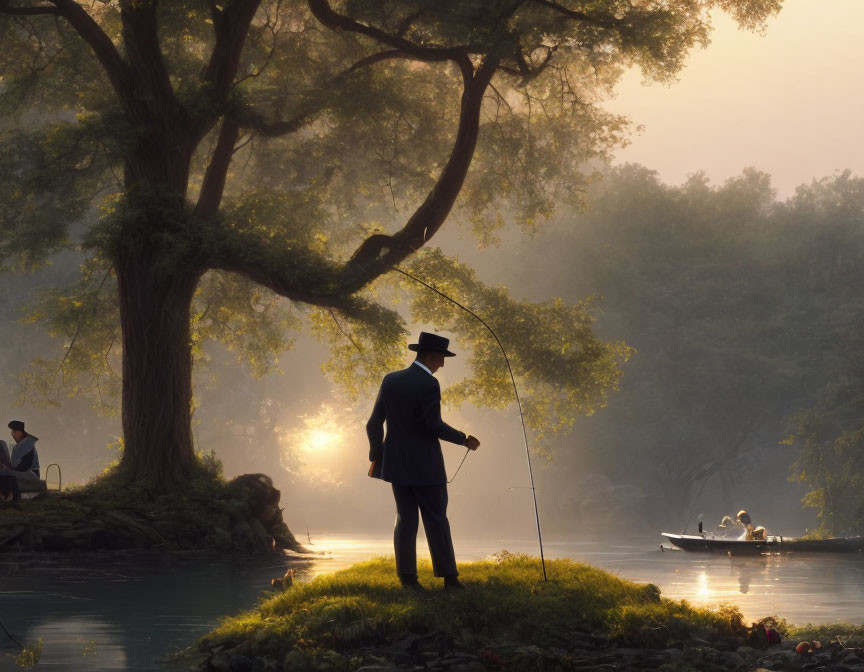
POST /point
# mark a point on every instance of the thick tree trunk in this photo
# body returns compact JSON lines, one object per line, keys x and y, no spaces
{"x":157,"y":367}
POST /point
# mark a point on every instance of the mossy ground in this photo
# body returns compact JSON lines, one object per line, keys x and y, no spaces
{"x":193,"y":517}
{"x":504,"y":601}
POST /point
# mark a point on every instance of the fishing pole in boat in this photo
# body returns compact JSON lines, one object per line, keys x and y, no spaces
{"x":693,"y":507}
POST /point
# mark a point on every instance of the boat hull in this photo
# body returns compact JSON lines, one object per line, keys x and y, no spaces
{"x":699,"y":544}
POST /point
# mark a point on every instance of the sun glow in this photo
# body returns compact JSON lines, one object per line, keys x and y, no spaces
{"x":318,"y":446}
{"x":317,"y":440}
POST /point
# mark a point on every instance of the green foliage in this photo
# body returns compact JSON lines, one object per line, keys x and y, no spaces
{"x":85,"y":317}
{"x":826,"y":216}
{"x":51,"y":176}
{"x":389,"y":124}
{"x":358,"y":146}
{"x":362,"y":347}
{"x":831,"y":462}
{"x":565,"y":370}
{"x":505,"y":601}
{"x":247,"y":319}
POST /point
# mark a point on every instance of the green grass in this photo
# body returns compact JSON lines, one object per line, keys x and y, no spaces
{"x":503,"y":602}
{"x":850,"y":635}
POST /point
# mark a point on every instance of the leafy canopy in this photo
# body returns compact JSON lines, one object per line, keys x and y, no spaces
{"x":308,"y":147}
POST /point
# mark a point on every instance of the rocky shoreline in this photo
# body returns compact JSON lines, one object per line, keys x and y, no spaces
{"x":245,"y":519}
{"x":584,"y":651}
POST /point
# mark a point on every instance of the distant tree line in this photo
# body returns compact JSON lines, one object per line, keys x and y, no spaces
{"x":747,"y":319}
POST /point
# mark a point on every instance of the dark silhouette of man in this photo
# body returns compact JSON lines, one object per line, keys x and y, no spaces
{"x":410,"y":459}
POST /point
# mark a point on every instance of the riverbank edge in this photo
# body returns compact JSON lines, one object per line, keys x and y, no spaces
{"x":507,"y":618}
{"x":111,"y":513}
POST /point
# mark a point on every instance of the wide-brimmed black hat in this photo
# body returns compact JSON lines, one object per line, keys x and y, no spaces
{"x":432,"y":342}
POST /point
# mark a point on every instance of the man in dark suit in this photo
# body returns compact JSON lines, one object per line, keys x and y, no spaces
{"x":410,"y":459}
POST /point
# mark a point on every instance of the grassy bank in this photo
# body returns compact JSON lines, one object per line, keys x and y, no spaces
{"x":506,"y":605}
{"x":115,"y":512}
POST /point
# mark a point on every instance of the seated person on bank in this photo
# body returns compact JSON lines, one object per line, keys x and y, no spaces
{"x":21,"y":467}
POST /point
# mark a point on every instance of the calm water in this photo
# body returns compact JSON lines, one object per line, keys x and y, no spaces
{"x":111,"y":613}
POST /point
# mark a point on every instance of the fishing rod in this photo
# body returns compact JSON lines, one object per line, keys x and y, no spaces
{"x":9,"y":635}
{"x":518,"y":404}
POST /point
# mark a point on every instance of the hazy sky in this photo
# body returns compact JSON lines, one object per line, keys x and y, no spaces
{"x":789,"y":102}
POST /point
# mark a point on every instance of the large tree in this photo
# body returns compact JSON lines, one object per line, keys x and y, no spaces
{"x":253,"y":137}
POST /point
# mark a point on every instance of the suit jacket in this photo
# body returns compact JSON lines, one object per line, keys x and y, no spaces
{"x":410,"y":402}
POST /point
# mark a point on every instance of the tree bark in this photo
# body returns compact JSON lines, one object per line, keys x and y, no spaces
{"x":155,"y":311}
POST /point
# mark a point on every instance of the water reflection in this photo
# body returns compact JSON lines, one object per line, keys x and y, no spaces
{"x":112,"y":613}
{"x":101,"y":648}
{"x":802,"y":589}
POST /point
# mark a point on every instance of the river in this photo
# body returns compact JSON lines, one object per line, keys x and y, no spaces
{"x":127,"y":612}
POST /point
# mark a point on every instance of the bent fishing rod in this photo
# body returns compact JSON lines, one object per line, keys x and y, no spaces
{"x":518,"y":404}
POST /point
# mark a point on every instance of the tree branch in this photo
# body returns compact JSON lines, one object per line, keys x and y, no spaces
{"x":115,"y":67}
{"x":293,"y":272}
{"x":214,"y":179}
{"x":574,"y":14}
{"x":379,"y":252}
{"x":324,"y":13}
{"x":301,"y":275}
{"x":274,"y":28}
{"x":249,"y":118}
{"x":231,"y":30}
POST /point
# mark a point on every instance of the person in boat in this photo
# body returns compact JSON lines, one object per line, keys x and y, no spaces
{"x":753,"y":533}
{"x":21,"y":466}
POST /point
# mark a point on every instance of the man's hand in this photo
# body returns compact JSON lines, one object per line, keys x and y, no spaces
{"x":472,"y":443}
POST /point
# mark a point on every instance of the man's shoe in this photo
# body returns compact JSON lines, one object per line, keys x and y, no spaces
{"x":452,"y":583}
{"x":411,"y":583}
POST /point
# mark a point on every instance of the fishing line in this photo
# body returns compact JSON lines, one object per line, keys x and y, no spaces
{"x":460,"y":465}
{"x":695,"y":502}
{"x":9,"y":635}
{"x":518,"y":403}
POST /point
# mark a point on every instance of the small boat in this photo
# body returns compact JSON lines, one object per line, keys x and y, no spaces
{"x":699,"y":543}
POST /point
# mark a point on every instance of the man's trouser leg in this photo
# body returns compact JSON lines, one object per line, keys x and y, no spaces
{"x":405,"y":530}
{"x":433,"y":507}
